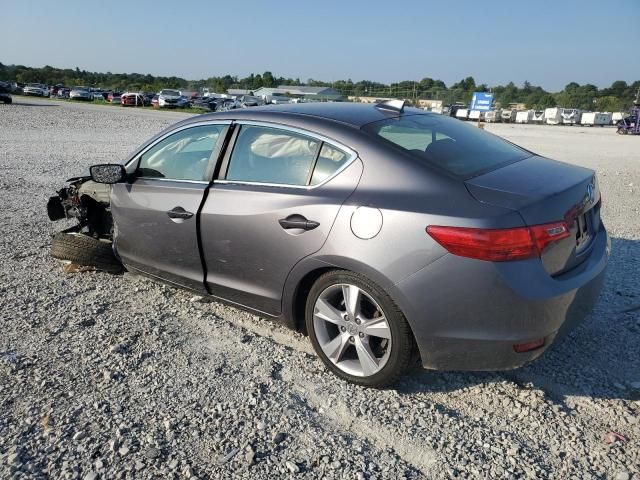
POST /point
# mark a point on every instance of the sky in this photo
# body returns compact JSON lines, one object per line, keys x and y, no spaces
{"x":548,"y":43}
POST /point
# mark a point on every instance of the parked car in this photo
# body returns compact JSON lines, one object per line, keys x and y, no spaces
{"x":114,"y":97}
{"x":36,"y":89}
{"x":5,"y":93}
{"x":386,"y":233}
{"x":63,"y":92}
{"x":148,"y":97}
{"x":154,"y":101}
{"x":250,"y":101}
{"x":132,"y":99}
{"x":168,"y":98}
{"x":98,"y":94}
{"x":205,"y":103}
{"x":16,"y":88}
{"x":53,"y":90}
{"x":81,"y":93}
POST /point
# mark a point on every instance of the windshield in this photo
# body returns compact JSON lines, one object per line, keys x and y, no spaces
{"x":170,"y":92}
{"x":452,"y":145}
{"x":80,"y":88}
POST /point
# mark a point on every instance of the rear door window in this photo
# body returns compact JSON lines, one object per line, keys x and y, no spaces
{"x":282,"y":157}
{"x":446,"y":143}
{"x":271,"y":155}
{"x":330,"y":160}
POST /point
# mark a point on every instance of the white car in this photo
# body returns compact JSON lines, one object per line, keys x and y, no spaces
{"x":81,"y":93}
{"x":168,"y":98}
{"x":36,"y":89}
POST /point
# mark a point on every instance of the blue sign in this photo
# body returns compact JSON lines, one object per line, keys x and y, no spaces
{"x":481,"y":101}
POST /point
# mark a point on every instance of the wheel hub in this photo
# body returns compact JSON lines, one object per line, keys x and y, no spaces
{"x":352,"y":330}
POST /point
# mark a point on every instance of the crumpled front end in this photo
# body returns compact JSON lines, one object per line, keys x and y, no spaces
{"x":86,"y":201}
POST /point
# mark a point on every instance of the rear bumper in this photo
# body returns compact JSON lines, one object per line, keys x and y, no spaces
{"x":468,"y":314}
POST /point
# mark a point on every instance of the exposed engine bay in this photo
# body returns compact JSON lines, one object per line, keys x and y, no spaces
{"x":86,"y":201}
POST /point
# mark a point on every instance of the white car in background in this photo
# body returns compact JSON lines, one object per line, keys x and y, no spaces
{"x":36,"y":89}
{"x":81,"y":93}
{"x":168,"y":98}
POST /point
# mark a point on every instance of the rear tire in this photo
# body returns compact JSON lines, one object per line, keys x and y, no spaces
{"x":85,"y":250}
{"x":378,"y":330}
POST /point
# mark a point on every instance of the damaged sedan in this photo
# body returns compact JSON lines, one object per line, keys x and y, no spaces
{"x":390,"y":235}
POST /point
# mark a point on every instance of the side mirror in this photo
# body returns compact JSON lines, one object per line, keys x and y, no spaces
{"x":107,"y":173}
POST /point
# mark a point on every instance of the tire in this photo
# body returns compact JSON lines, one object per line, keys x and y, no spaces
{"x":393,"y":356}
{"x":85,"y":250}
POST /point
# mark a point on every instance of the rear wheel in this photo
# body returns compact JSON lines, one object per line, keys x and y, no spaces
{"x":85,"y":250}
{"x":357,"y":330}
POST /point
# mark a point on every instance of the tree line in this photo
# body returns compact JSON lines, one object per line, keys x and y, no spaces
{"x":619,"y":96}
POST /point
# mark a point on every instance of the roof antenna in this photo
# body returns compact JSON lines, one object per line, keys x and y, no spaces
{"x":393,"y":105}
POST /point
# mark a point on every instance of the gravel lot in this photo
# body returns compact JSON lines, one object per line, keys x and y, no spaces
{"x":105,"y":376}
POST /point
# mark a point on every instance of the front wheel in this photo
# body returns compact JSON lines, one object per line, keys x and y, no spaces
{"x":357,"y":330}
{"x":85,"y":250}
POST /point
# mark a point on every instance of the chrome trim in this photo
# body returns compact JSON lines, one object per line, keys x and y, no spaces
{"x":353,"y":155}
{"x":200,"y":182}
{"x":263,"y":184}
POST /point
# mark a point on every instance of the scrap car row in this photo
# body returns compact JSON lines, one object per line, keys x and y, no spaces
{"x":165,"y":98}
{"x":209,"y":101}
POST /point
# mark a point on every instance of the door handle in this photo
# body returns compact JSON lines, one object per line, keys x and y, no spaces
{"x":297,"y":221}
{"x":179,"y":212}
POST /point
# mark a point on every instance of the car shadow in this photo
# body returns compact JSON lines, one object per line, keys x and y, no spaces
{"x":598,"y":359}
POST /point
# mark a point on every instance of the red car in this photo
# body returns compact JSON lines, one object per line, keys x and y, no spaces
{"x":132,"y":99}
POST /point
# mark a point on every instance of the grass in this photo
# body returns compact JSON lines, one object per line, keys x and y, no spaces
{"x":194,"y":111}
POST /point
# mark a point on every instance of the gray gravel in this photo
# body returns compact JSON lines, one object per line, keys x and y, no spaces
{"x":105,"y":376}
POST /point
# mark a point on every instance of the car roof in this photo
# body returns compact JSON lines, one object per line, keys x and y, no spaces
{"x":353,"y":114}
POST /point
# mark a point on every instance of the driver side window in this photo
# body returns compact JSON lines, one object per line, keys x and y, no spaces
{"x":185,"y":155}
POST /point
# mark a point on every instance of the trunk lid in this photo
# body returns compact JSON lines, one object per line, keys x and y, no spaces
{"x":545,"y":191}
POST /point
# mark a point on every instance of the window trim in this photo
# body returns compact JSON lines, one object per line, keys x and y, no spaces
{"x":352,"y":155}
{"x":138,"y":156}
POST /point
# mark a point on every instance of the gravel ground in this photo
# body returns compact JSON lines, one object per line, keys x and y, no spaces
{"x":114,"y":376}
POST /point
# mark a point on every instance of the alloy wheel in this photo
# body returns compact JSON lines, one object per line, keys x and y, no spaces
{"x":352,"y":330}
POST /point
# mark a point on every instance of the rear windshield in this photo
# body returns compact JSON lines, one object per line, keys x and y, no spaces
{"x":452,"y":145}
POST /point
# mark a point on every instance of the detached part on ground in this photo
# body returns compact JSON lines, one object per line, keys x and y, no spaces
{"x":89,"y":243}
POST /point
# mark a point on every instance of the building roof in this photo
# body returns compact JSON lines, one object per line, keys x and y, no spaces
{"x":239,"y":91}
{"x":297,"y":90}
{"x":306,"y":90}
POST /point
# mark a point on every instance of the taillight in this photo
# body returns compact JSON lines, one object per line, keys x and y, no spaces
{"x":501,"y":244}
{"x":527,"y":347}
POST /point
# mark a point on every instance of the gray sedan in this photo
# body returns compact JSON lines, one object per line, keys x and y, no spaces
{"x":390,"y":235}
{"x":81,"y":93}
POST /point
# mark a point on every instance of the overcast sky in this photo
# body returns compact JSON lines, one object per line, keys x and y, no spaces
{"x":549,"y":43}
